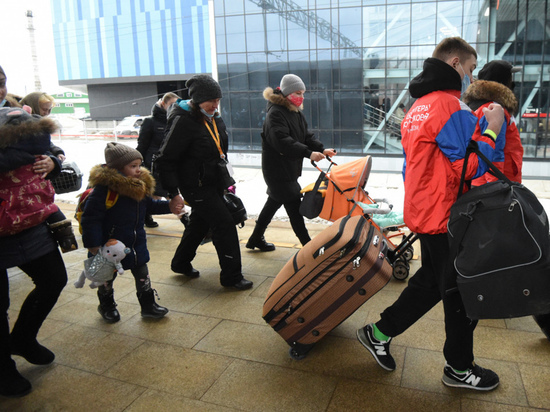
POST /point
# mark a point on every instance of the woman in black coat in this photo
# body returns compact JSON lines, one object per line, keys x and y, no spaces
{"x":193,"y":162}
{"x":286,"y":141}
{"x":151,"y":135}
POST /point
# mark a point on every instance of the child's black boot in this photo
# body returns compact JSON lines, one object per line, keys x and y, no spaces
{"x":149,"y":308}
{"x":63,"y":233}
{"x":107,"y":305}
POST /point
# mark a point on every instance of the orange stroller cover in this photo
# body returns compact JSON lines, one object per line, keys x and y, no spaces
{"x":351,"y":179}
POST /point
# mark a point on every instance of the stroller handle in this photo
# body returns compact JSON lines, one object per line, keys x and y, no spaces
{"x":314,"y":164}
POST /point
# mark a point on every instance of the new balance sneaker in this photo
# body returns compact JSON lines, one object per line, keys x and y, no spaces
{"x":378,"y":348}
{"x":476,"y":378}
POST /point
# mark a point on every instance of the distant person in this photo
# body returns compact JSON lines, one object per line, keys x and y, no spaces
{"x":32,"y":249}
{"x":286,"y":141}
{"x":193,"y":162}
{"x":495,"y":84}
{"x":124,"y":221}
{"x":399,"y":113}
{"x":151,"y":135}
{"x":435,"y":134}
{"x":41,"y":104}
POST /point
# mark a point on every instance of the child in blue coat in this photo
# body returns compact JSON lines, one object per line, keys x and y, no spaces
{"x":132,"y":187}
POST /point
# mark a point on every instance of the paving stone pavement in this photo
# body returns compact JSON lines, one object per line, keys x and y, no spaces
{"x":214,"y":352}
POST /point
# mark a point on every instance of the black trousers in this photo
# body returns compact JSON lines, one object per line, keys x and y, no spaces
{"x":424,"y":290}
{"x":209,"y":212}
{"x":292,"y":209}
{"x":50,"y":277}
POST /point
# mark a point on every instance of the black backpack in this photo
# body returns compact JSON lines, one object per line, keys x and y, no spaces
{"x":500,"y":248}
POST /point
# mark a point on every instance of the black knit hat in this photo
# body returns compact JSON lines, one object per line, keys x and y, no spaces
{"x":498,"y":71}
{"x":119,"y":155}
{"x":203,"y":88}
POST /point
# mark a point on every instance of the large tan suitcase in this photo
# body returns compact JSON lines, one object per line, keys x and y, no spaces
{"x":326,"y":281}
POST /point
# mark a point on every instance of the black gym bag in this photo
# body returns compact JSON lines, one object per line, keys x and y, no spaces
{"x":500,"y":248}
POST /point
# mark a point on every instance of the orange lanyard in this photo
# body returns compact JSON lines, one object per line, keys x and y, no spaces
{"x":216,"y":136}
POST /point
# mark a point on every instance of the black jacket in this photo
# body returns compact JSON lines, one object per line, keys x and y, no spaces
{"x":126,"y":219}
{"x":189,"y":156}
{"x":286,"y":141}
{"x":151,"y":134}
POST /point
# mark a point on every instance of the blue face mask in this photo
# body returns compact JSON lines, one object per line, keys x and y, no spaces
{"x":3,"y":102}
{"x":206,"y":113}
{"x":465,"y":81}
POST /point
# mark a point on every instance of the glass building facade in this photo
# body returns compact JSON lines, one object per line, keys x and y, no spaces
{"x":357,"y":58}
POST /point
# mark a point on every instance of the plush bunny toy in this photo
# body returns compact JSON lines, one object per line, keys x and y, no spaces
{"x":101,"y":267}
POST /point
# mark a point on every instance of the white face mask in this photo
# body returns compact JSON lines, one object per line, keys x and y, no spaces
{"x":206,"y":113}
{"x":465,"y":81}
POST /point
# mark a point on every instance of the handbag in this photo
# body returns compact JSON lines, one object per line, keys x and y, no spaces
{"x":68,"y":180}
{"x":500,"y":248}
{"x":236,"y":207}
{"x":313,"y":200}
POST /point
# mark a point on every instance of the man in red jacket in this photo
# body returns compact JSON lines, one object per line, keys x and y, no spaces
{"x":435,"y":133}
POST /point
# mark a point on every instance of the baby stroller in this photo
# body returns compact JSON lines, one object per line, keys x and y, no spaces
{"x":341,"y":191}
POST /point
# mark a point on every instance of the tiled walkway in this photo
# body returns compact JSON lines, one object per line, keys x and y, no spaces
{"x":214,"y":352}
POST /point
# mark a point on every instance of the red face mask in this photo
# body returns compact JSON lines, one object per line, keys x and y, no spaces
{"x":295,"y":100}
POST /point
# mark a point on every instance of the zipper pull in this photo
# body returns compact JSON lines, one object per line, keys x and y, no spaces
{"x":342,"y":252}
{"x":376,"y":240}
{"x":322,"y":251}
{"x":356,"y":262}
{"x":512,"y":205}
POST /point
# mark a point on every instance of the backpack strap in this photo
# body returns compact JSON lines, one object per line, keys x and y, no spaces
{"x":111,"y":198}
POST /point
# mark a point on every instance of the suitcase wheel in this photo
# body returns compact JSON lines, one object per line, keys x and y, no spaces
{"x":401,"y":270}
{"x":408,"y":254}
{"x":296,"y":354}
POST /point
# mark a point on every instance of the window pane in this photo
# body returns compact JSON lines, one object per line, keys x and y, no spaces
{"x":423,"y":21}
{"x":240,"y":110}
{"x":235,"y":34}
{"x":238,"y":78}
{"x":234,"y":7}
{"x":257,"y":71}
{"x":220,"y":35}
{"x":255,"y":33}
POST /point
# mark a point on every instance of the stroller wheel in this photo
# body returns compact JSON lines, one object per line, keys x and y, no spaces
{"x":408,"y":254}
{"x":401,"y":270}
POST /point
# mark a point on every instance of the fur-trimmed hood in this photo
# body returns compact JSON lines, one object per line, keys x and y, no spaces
{"x":24,"y":129}
{"x":276,"y":97}
{"x":131,"y":187}
{"x":483,"y":91}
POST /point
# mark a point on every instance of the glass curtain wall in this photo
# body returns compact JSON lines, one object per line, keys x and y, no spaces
{"x":357,"y":58}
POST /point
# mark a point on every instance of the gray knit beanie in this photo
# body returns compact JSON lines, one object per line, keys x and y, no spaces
{"x":291,"y":83}
{"x":118,"y":155}
{"x":203,"y":88}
